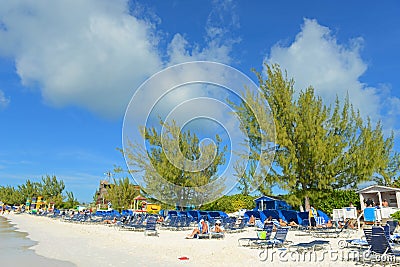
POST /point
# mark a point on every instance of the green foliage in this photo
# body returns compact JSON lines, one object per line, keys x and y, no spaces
{"x":29,"y":189}
{"x":121,"y":194}
{"x":328,"y":201}
{"x":231,"y":203}
{"x":396,"y":215}
{"x":70,"y":201}
{"x":394,"y":170}
{"x":10,"y":195}
{"x":318,"y":148}
{"x":335,"y":200}
{"x":50,"y":188}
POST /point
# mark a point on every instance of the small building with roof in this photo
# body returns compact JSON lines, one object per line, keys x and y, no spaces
{"x":267,"y":203}
{"x":379,"y":193}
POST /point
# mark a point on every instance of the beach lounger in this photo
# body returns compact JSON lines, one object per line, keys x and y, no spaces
{"x":206,"y":235}
{"x":150,"y":229}
{"x":359,"y":242}
{"x":239,"y":228}
{"x":263,"y":235}
{"x":380,"y":250}
{"x":344,"y":231}
{"x":314,"y":245}
{"x":279,"y":239}
{"x":137,"y":224}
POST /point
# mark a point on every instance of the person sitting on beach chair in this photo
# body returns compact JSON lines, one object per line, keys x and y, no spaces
{"x":282,"y":222}
{"x":201,"y":229}
{"x":217,"y":228}
{"x":268,"y":221}
{"x":160,"y":219}
{"x":349,"y":223}
{"x":273,"y":222}
{"x":114,"y":221}
{"x":252,"y":220}
{"x":291,"y":223}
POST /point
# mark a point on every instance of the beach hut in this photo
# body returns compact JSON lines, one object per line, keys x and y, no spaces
{"x":137,"y":200}
{"x":379,"y":193}
{"x":267,"y":203}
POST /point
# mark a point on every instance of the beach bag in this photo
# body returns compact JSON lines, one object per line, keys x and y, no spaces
{"x":262,"y":235}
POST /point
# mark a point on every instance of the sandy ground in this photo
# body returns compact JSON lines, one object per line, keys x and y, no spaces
{"x":101,"y":245}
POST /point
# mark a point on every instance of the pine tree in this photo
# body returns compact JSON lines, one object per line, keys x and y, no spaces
{"x":318,"y":148}
{"x":166,"y":176}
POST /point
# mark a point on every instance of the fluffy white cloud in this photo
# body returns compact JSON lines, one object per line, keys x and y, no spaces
{"x":219,"y":37}
{"x":90,"y":54}
{"x":94,"y":54}
{"x":316,"y":58}
{"x":4,"y":101}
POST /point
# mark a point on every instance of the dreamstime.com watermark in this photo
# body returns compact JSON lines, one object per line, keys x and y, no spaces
{"x":328,"y":255}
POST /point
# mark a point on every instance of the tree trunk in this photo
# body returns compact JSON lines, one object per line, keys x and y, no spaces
{"x":307,"y":205}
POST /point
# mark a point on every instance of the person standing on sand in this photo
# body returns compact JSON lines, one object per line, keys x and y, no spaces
{"x":312,"y":214}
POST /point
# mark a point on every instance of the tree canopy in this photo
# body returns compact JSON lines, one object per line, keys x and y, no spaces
{"x":178,"y":170}
{"x":122,"y":191}
{"x":318,"y":148}
{"x":49,"y":187}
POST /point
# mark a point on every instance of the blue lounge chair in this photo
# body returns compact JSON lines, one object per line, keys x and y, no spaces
{"x":314,"y":245}
{"x":150,"y":228}
{"x":263,"y":235}
{"x":359,"y":242}
{"x":278,"y":240}
{"x":203,"y":235}
{"x":369,"y":215}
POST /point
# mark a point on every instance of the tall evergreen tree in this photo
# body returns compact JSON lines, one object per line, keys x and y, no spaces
{"x":318,"y":148}
{"x":29,"y":189}
{"x":164,"y":165}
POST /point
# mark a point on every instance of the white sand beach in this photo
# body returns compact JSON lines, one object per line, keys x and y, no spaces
{"x":101,"y":245}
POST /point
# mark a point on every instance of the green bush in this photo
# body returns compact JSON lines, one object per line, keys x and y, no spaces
{"x":231,"y":203}
{"x":336,"y":200}
{"x":396,"y":215}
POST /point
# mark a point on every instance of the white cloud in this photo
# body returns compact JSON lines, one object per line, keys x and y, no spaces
{"x":316,"y":58}
{"x":95,"y":54}
{"x":90,"y":54}
{"x":219,"y":37}
{"x":4,"y":101}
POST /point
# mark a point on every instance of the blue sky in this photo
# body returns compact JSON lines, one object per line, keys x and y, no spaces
{"x":68,"y":69}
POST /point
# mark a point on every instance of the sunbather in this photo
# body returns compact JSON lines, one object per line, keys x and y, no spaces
{"x":268,"y":221}
{"x":110,"y":221}
{"x":282,"y":222}
{"x":348,"y":223}
{"x":327,"y":224}
{"x":291,"y":223}
{"x":217,"y":228}
{"x":271,"y":221}
{"x":160,"y":219}
{"x":202,"y":229}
